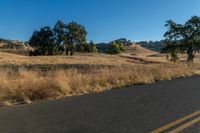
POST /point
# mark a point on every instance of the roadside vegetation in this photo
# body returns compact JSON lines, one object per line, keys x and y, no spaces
{"x":183,"y":38}
{"x":30,"y":85}
{"x":62,"y":63}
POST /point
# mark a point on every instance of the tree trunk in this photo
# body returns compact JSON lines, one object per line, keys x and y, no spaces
{"x":71,"y":51}
{"x":66,"y":50}
{"x":190,"y":58}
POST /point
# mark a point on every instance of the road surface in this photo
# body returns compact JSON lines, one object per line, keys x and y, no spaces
{"x":168,"y":106}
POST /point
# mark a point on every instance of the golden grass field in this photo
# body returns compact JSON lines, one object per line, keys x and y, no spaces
{"x":87,"y":73}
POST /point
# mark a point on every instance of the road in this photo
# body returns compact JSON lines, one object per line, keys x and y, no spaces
{"x":168,"y":106}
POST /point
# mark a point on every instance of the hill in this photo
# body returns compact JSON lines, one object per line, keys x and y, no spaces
{"x":134,"y":54}
{"x":143,"y":55}
{"x":29,"y":78}
{"x":103,"y":47}
{"x":14,"y":46}
{"x":152,"y":45}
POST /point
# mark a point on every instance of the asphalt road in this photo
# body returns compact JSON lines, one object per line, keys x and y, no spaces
{"x":138,"y":109}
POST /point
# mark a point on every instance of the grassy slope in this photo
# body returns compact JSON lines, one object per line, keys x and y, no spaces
{"x":102,"y":72}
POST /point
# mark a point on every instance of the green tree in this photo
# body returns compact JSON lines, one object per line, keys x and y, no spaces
{"x":174,"y":56}
{"x":64,"y":37}
{"x":76,"y":35}
{"x":172,"y":49}
{"x":183,"y":38}
{"x":92,"y":47}
{"x":61,"y":36}
{"x":87,"y":48}
{"x":116,"y":48}
{"x":43,"y":41}
{"x":81,"y":47}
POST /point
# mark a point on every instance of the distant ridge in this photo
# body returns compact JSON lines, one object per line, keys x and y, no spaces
{"x":152,"y":45}
{"x":103,"y":47}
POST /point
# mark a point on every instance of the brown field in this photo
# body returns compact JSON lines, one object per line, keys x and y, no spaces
{"x":25,"y":79}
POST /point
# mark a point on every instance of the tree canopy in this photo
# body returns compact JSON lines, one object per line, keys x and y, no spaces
{"x":76,"y":35}
{"x":68,"y":38}
{"x":43,"y":41}
{"x":183,"y":38}
{"x":116,"y":48}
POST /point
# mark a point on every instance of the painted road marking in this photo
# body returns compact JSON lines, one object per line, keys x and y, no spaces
{"x":186,"y":125}
{"x":172,"y":124}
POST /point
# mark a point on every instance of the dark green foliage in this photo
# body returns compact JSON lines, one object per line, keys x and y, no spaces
{"x":92,"y":48}
{"x":174,"y":56}
{"x":87,"y":48}
{"x":116,"y":48}
{"x":63,"y":38}
{"x":81,"y":47}
{"x":76,"y":35}
{"x":102,"y":47}
{"x":43,"y":42}
{"x":60,"y":32}
{"x":152,"y":45}
{"x":124,"y":41}
{"x":183,"y":38}
{"x":105,"y":47}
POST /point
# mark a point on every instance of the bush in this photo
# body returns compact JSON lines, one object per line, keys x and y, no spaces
{"x":87,"y":48}
{"x":91,"y":48}
{"x":116,"y":48}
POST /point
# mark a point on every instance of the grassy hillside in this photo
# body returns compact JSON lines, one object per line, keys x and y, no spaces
{"x":25,"y":79}
{"x":99,"y":59}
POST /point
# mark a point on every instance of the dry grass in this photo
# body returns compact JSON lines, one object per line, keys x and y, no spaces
{"x":100,"y":72}
{"x":99,"y":59}
{"x":28,"y":86}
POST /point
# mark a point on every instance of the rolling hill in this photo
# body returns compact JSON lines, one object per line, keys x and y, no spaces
{"x":14,"y":46}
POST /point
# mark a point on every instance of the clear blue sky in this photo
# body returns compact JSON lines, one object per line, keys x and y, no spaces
{"x":105,"y":20}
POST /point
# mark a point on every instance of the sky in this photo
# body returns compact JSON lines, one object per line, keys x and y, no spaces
{"x":105,"y":20}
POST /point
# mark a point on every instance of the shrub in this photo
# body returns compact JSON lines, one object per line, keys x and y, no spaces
{"x":116,"y":48}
